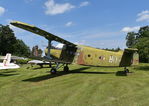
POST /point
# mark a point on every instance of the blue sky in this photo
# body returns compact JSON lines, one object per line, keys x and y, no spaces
{"x":96,"y":23}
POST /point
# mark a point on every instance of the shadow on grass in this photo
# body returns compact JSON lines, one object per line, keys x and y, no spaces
{"x":120,"y":73}
{"x":7,"y":71}
{"x":4,"y":75}
{"x":93,"y":72}
{"x":40,"y":67}
{"x":61,"y":73}
{"x":144,"y":68}
{"x":49,"y":76}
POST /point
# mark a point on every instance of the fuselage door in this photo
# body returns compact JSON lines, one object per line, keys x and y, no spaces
{"x":68,"y":53}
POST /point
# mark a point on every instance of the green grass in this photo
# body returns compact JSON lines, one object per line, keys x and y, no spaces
{"x":82,"y":86}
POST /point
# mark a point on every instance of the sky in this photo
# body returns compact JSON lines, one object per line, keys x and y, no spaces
{"x":96,"y":23}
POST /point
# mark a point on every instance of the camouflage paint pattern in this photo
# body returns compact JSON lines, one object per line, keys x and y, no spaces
{"x":97,"y":57}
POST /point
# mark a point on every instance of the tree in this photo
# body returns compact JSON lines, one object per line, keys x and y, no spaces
{"x":118,"y":49}
{"x":7,"y":39}
{"x":143,"y":48}
{"x":21,"y":49}
{"x":114,"y":50}
{"x":9,"y":43}
{"x":140,"y":41}
{"x":131,"y":39}
{"x":143,"y":32}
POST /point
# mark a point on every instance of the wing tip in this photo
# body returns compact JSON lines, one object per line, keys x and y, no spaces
{"x":20,"y":23}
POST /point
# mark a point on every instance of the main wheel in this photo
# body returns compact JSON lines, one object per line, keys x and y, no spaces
{"x":53,"y":71}
{"x":66,"y":68}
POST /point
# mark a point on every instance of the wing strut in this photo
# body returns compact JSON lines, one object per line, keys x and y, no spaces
{"x":49,"y":47}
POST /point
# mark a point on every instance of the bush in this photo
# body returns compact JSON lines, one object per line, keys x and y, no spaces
{"x":22,"y":61}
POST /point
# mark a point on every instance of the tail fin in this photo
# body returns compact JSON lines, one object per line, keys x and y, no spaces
{"x":7,"y":59}
{"x":130,"y":57}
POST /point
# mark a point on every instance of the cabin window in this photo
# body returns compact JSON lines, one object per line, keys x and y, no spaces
{"x":89,"y":55}
{"x":102,"y":58}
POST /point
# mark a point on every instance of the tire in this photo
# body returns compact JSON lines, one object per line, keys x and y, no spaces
{"x":53,"y":71}
{"x":127,"y":70}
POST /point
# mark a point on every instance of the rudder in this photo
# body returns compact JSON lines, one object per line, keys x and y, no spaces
{"x":130,"y":57}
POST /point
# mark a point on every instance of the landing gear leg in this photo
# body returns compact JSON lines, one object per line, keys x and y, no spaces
{"x":50,"y":65}
{"x":54,"y":69}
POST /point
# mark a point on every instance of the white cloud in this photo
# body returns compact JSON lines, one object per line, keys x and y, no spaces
{"x":68,"y":24}
{"x":143,"y":16}
{"x":130,"y":29}
{"x":2,"y":10}
{"x":85,"y":3}
{"x":53,"y":8}
{"x":59,"y":45}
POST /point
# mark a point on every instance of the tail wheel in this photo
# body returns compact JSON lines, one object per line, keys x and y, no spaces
{"x":126,"y":70}
{"x":66,"y":68}
{"x":53,"y":71}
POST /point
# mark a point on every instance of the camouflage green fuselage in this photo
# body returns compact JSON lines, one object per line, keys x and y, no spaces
{"x":85,"y":55}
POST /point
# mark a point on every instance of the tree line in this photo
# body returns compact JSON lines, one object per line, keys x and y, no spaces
{"x":10,"y":44}
{"x":139,"y":40}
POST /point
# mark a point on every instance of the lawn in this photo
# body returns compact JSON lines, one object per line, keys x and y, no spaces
{"x":82,"y":86}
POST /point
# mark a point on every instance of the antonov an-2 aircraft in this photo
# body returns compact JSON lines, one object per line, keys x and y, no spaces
{"x":82,"y":55}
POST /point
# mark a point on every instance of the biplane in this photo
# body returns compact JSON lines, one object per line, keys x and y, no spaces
{"x":79,"y":54}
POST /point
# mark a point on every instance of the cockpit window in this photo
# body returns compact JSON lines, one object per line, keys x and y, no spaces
{"x":89,"y":55}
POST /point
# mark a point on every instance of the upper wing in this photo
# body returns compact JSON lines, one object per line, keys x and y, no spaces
{"x":41,"y":32}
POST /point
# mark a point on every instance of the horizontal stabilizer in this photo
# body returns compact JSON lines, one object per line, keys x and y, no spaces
{"x":41,"y":32}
